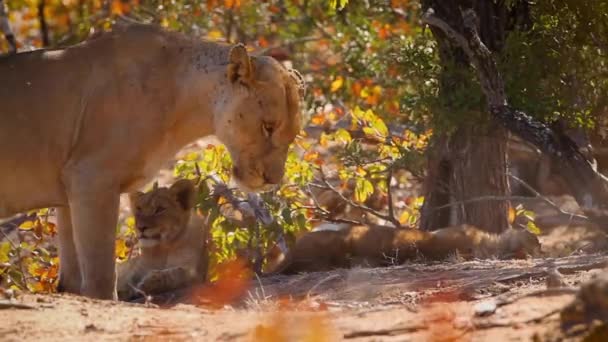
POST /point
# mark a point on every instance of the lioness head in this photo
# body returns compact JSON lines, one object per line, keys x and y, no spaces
{"x":162,"y":214}
{"x":519,"y":243}
{"x":262,"y":118}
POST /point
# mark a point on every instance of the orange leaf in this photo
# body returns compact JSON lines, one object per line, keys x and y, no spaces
{"x":511,"y":215}
{"x":318,"y":119}
{"x":262,"y":41}
{"x":233,"y":281}
{"x":311,"y":156}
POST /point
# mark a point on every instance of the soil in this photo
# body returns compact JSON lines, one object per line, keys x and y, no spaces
{"x":482,"y":300}
{"x":452,"y":301}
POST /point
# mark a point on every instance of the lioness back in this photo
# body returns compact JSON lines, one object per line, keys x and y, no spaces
{"x":172,"y":240}
{"x":374,"y":245}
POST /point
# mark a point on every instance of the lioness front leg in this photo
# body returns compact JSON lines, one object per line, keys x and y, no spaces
{"x":94,"y":217}
{"x":69,"y":270}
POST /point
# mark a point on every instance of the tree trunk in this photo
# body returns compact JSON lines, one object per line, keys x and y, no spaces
{"x":478,"y":149}
{"x":44,"y":29}
{"x":436,"y":188}
{"x":479,"y":159}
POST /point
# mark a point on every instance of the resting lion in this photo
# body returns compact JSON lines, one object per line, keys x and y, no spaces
{"x":81,"y":125}
{"x":172,"y":239}
{"x":371,"y":245}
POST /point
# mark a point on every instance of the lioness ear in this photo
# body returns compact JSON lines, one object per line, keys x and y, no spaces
{"x":240,"y":67}
{"x":184,"y":192}
{"x":133,"y":197}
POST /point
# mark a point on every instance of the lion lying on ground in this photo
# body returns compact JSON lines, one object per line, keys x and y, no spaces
{"x":172,"y":239}
{"x":343,"y":246}
{"x":81,"y":125}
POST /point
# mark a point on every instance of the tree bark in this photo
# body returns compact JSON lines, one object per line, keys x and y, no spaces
{"x":480,"y":164}
{"x":477,"y":161}
{"x":44,"y":29}
{"x":590,"y":188}
{"x":437,"y":185}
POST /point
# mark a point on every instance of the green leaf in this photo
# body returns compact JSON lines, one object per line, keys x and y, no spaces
{"x":5,"y":249}
{"x":533,"y":228}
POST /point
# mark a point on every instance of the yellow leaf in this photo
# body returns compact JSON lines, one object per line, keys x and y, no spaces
{"x":121,"y":249}
{"x":214,"y":34}
{"x":27,"y":225}
{"x":130,"y":222}
{"x":324,"y":140}
{"x":337,"y":84}
{"x":364,"y":92}
{"x":404,"y":217}
{"x":343,"y":136}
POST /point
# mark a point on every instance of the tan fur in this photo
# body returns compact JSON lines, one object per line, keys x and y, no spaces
{"x":84,"y":124}
{"x":347,"y":246}
{"x":172,"y":240}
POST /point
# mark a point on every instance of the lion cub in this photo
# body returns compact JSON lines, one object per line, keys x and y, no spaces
{"x":172,"y":240}
{"x":342,"y":246}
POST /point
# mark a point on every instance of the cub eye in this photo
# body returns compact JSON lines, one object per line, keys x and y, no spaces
{"x":267,"y":129}
{"x":159,"y":210}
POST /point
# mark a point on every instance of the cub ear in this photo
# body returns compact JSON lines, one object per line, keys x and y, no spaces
{"x":185,"y":193}
{"x":133,"y":198}
{"x":240,"y":68}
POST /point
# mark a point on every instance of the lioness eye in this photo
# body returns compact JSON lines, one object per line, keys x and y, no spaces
{"x":159,"y":210}
{"x":267,"y":129}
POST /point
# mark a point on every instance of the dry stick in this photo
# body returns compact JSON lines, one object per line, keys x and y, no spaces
{"x":356,"y":205}
{"x":545,"y":199}
{"x":5,"y":304}
{"x":324,"y":212}
{"x":481,"y":199}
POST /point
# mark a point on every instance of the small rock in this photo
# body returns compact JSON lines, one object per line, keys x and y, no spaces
{"x":554,"y":279}
{"x":485,"y":308}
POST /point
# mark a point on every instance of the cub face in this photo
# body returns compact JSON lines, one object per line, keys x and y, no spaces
{"x":162,"y":214}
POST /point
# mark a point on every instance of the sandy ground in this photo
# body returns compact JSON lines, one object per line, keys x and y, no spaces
{"x":457,"y":301}
{"x":487,"y":300}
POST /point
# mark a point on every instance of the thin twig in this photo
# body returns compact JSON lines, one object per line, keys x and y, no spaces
{"x":357,"y":205}
{"x":326,"y":214}
{"x":389,"y":192}
{"x":545,"y":199}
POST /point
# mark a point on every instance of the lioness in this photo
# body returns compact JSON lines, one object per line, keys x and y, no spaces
{"x":172,"y":239}
{"x":372,"y":245}
{"x":81,"y":125}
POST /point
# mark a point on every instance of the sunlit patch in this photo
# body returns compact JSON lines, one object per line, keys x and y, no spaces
{"x":287,"y":324}
{"x":53,"y":54}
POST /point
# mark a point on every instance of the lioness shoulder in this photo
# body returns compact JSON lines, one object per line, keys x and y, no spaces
{"x":172,"y":240}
